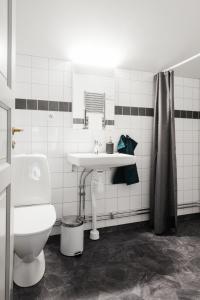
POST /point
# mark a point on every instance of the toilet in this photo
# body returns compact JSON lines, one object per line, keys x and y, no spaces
{"x":34,"y":216}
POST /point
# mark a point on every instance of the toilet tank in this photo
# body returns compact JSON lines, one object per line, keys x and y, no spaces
{"x":30,"y":180}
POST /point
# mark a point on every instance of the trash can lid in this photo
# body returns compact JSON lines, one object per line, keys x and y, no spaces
{"x":72,"y":221}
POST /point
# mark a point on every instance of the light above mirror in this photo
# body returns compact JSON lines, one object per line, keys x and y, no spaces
{"x":95,"y":55}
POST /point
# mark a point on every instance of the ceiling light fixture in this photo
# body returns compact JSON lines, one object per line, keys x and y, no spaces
{"x":96,"y":56}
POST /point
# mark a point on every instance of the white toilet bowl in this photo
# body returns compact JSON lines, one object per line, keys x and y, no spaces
{"x":32,"y":222}
{"x":32,"y":226}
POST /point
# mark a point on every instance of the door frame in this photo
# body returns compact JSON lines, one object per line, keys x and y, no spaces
{"x":6,"y":185}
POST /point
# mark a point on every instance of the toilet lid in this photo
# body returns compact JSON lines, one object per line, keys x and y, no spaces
{"x":33,"y":219}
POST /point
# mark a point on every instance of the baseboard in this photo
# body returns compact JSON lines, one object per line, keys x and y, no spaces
{"x":131,"y":226}
{"x":110,"y":229}
{"x":189,"y":217}
{"x":123,"y":227}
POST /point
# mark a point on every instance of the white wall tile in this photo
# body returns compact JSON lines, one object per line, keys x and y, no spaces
{"x":178,"y":92}
{"x":57,"y":64}
{"x":57,"y":196}
{"x":135,"y":202}
{"x":55,"y":134}
{"x":145,"y":201}
{"x":23,"y":90}
{"x":39,"y":147}
{"x":70,"y":179}
{"x":195,"y":94}
{"x":70,"y":208}
{"x":23,"y":74}
{"x":39,"y":76}
{"x":21,"y":117}
{"x":123,"y":190}
{"x":39,"y":91}
{"x":70,"y":147}
{"x":40,"y":62}
{"x":67,"y":94}
{"x":39,"y":118}
{"x":55,"y":78}
{"x":23,"y":60}
{"x":55,"y":119}
{"x":110,"y":191}
{"x":70,"y":194}
{"x":56,"y":164}
{"x":136,"y":189}
{"x":124,"y":85}
{"x":39,"y":134}
{"x":124,"y":99}
{"x":67,"y":79}
{"x":188,"y":82}
{"x":55,"y":149}
{"x":123,"y":203}
{"x":57,"y":180}
{"x":67,"y":120}
{"x":178,"y":81}
{"x":56,"y":93}
{"x":111,"y":205}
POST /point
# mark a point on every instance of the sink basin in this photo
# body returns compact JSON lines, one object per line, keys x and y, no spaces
{"x":100,"y":161}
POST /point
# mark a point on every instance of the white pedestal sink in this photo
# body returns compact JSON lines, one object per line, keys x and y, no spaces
{"x":98,"y":163}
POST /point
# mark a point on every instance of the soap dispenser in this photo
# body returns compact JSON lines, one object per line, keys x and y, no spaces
{"x":110,"y":147}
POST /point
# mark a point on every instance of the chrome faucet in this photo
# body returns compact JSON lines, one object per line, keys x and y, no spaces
{"x":96,"y":146}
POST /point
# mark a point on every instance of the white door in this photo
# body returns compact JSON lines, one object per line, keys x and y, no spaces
{"x":6,"y":66}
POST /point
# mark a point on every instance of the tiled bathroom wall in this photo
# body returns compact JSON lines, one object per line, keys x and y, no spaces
{"x":48,"y":129}
{"x":187,"y":105}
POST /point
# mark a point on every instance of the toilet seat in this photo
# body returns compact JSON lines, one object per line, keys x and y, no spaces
{"x":29,"y":220}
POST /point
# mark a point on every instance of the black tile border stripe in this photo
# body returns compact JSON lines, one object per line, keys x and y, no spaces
{"x":110,"y":122}
{"x":81,"y":121}
{"x":78,"y":121}
{"x":188,"y":114}
{"x":34,"y":104}
{"x":20,"y":103}
{"x":134,"y":111}
{"x":149,"y":112}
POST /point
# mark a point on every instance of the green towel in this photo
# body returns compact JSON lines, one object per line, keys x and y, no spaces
{"x":127,"y":174}
{"x":121,"y":144}
{"x":126,"y":145}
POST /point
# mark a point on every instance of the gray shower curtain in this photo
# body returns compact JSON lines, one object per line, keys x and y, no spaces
{"x":163,"y":186}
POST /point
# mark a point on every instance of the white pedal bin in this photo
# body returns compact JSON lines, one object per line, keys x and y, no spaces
{"x":72,"y":236}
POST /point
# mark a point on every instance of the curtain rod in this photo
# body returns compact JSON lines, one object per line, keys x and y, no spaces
{"x":182,"y":62}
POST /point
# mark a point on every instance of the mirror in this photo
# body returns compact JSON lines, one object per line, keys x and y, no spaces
{"x":93,"y":97}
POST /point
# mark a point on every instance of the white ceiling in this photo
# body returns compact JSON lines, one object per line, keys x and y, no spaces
{"x":147,"y":35}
